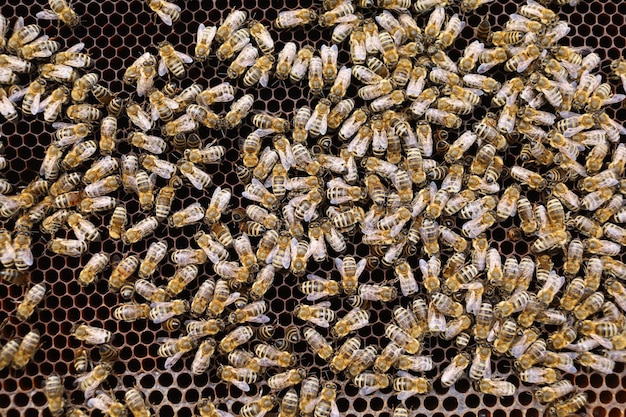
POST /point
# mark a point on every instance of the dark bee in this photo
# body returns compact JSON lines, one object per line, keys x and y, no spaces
{"x":172,"y":324}
{"x":108,"y":353}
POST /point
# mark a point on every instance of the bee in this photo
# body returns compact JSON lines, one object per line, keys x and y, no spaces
{"x":454,"y":371}
{"x":293,"y":18}
{"x":163,"y":310}
{"x":286,"y":379}
{"x":172,"y":60}
{"x":234,"y":44}
{"x":319,"y":314}
{"x":238,"y":111}
{"x":259,"y":72}
{"x":272,"y":356}
{"x":345,"y":354}
{"x":317,"y":343}
{"x":8,"y":352}
{"x":51,"y":106}
{"x":289,"y":404}
{"x":496,"y":387}
{"x":130,"y":312}
{"x":53,"y":391}
{"x":301,"y":64}
{"x":107,"y":405}
{"x":258,"y":408}
{"x":33,"y":297}
{"x":67,"y":247}
{"x":90,"y":381}
{"x":155,"y":254}
{"x":355,"y":319}
{"x":326,"y":405}
{"x":149,"y":291}
{"x":96,"y":265}
{"x":92,"y":335}
{"x":122,"y":271}
{"x":568,"y":406}
{"x":408,"y":385}
{"x":350,"y":272}
{"x":553,"y":392}
{"x":201,"y":360}
{"x":81,"y":361}
{"x":168,"y":12}
{"x":222,"y":298}
{"x":204,"y":39}
{"x":537,"y":375}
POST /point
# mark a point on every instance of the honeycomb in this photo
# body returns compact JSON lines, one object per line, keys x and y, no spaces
{"x":115,"y":33}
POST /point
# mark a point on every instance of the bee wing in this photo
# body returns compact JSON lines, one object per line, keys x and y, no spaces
{"x":90,"y":390}
{"x":313,"y":277}
{"x":41,"y":105}
{"x":404,"y":395}
{"x":315,"y":296}
{"x":605,"y":343}
{"x":154,"y":113}
{"x":569,"y":368}
{"x":267,"y":362}
{"x":184,"y":57}
{"x":162,"y":66}
{"x":241,"y":385}
{"x":360,"y":267}
{"x":231,"y":298}
{"x":339,"y":265}
{"x":616,"y":98}
{"x":47,"y":14}
{"x":97,"y":403}
{"x":334,"y":410}
{"x":293,"y":244}
{"x":18,"y":95}
{"x":19,"y":23}
{"x":171,"y":361}
{"x":171,"y":103}
{"x":287,"y":258}
{"x":201,"y":28}
{"x":221,"y":413}
{"x":76,"y":48}
{"x":260,"y":319}
{"x":319,"y":322}
{"x":324,"y":304}
{"x":265,"y":78}
{"x":164,"y":17}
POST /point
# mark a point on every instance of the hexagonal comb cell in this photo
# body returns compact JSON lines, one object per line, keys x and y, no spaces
{"x":116,"y":34}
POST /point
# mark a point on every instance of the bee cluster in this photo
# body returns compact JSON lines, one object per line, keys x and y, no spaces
{"x":380,"y":156}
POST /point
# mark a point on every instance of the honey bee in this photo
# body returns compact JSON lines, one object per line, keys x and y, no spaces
{"x":355,"y":319}
{"x":201,"y":328}
{"x":172,"y":60}
{"x":145,"y":80}
{"x":204,"y":39}
{"x":222,"y":298}
{"x":90,"y":381}
{"x":293,"y":18}
{"x":238,"y":111}
{"x":107,"y":405}
{"x":345,"y":355}
{"x":496,"y":387}
{"x":96,"y":265}
{"x":202,"y":359}
{"x":408,"y":385}
{"x":136,"y":404}
{"x":33,"y":297}
{"x":317,"y":343}
{"x":553,"y":392}
{"x":163,"y":310}
{"x":258,"y":408}
{"x":149,"y":291}
{"x":122,"y":271}
{"x":130,"y":312}
{"x":537,"y":375}
{"x":568,"y":406}
{"x":286,"y":379}
{"x":326,"y":405}
{"x":234,"y":44}
{"x":454,"y":371}
{"x":92,"y":335}
{"x":53,"y":391}
{"x":67,"y":247}
{"x":301,"y":64}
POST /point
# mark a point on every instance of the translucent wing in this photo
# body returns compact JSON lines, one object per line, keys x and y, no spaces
{"x":47,"y":14}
